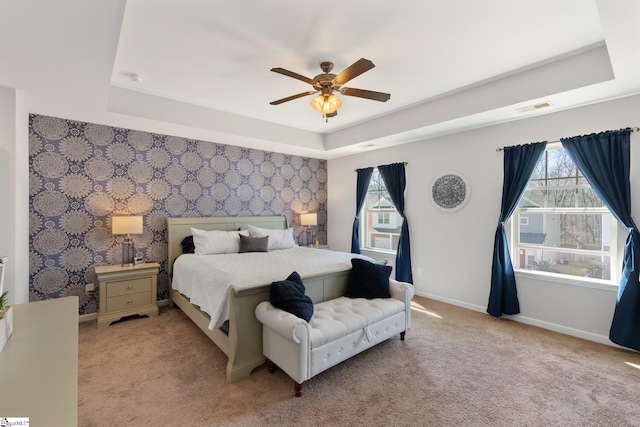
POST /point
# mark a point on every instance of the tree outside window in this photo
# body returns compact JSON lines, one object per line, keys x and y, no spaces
{"x":561,"y":225}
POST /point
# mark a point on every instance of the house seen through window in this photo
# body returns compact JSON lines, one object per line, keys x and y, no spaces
{"x":379,"y":219}
{"x":561,"y":225}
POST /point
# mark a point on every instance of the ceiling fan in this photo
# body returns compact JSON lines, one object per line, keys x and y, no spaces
{"x":325,"y":84}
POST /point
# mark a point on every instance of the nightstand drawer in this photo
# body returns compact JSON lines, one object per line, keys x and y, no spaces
{"x":126,"y":302}
{"x":127,"y":287}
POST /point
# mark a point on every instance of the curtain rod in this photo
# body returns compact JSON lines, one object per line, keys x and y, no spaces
{"x":636,"y":129}
{"x":406,"y":163}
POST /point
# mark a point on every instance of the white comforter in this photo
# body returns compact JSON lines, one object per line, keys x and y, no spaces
{"x":207,"y":280}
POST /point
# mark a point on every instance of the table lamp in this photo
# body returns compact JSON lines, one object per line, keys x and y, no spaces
{"x":127,"y":225}
{"x":309,"y":219}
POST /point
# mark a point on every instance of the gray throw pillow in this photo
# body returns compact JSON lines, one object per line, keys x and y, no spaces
{"x":254,"y":244}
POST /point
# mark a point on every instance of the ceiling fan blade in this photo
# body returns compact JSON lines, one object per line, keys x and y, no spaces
{"x":335,"y":113}
{"x":294,"y":75}
{"x":292,"y":97}
{"x":354,"y":70}
{"x":368,"y":94}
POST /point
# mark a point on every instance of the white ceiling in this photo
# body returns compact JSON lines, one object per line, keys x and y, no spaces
{"x":449,"y":65}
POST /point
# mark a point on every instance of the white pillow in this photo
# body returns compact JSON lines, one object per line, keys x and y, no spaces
{"x":278,"y":239}
{"x":216,"y":242}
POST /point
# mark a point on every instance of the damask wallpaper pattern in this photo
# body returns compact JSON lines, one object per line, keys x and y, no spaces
{"x":83,"y":173}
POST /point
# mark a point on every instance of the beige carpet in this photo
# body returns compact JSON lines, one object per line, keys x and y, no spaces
{"x":456,"y":368}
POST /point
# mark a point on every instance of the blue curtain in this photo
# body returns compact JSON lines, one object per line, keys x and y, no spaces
{"x":519,"y":162}
{"x":604,"y":160}
{"x":394,"y":179}
{"x":362,"y":185}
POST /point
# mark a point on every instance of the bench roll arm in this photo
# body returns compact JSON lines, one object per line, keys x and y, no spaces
{"x":284,"y":323}
{"x":404,"y":292}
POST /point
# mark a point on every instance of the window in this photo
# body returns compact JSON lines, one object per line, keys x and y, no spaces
{"x":380,"y":221}
{"x":383,"y":217}
{"x":561,"y":226}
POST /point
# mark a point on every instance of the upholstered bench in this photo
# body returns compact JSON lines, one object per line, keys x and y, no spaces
{"x":339,"y":328}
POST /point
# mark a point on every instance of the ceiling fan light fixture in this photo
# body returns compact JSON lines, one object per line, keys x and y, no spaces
{"x":326,"y":104}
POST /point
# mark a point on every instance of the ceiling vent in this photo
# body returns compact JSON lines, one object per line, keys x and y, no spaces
{"x":534,"y":107}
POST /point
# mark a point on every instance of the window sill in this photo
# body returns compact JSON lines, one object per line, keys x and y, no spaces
{"x":379,"y":251}
{"x":567,"y":280}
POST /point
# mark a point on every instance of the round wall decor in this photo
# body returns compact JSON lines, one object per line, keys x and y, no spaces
{"x":450,"y":191}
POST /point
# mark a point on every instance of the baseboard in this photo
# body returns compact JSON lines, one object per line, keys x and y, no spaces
{"x":455,"y":302}
{"x":87,"y":317}
{"x":93,"y":316}
{"x":529,"y":321}
{"x":589,"y":336}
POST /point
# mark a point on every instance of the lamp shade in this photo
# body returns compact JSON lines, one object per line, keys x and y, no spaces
{"x":309,"y":219}
{"x":126,"y":225}
{"x":326,"y":103}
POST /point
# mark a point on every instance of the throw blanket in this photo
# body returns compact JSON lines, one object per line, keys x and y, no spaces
{"x":207,"y":280}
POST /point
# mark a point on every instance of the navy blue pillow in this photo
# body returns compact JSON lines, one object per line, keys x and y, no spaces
{"x":188,"y":247}
{"x":288,"y":295}
{"x":368,"y":280}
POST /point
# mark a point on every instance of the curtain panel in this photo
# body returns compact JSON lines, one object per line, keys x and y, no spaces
{"x":604,"y":159}
{"x":394,"y":179}
{"x":362,"y":185}
{"x":519,"y":163}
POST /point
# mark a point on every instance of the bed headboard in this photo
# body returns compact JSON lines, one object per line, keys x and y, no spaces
{"x":179,"y":228}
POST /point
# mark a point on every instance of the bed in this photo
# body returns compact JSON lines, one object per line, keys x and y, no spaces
{"x":240,"y":338}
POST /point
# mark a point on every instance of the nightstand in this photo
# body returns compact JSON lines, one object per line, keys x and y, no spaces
{"x":127,"y":290}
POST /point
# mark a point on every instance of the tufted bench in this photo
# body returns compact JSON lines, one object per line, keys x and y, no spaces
{"x":340,"y":328}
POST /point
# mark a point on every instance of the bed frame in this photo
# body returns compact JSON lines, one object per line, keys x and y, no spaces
{"x":243,"y":343}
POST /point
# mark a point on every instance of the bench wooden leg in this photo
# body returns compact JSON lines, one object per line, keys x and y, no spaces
{"x":271,"y":367}
{"x":298,"y":389}
{"x":402,"y":335}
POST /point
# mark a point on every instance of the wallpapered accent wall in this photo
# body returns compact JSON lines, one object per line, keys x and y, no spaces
{"x":83,"y":173}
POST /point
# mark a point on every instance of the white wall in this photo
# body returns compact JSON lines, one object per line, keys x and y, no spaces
{"x":21,"y":208}
{"x":8,"y":186}
{"x":454,"y":250}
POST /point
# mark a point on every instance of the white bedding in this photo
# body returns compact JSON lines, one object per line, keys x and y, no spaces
{"x":207,"y":280}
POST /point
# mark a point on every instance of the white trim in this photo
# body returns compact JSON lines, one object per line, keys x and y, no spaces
{"x":87,"y":317}
{"x":455,"y":302}
{"x":380,"y":251}
{"x":529,"y":321}
{"x":563,"y":329}
{"x":564,"y":279}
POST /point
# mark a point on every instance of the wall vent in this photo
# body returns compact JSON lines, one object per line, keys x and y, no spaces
{"x":534,"y":107}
